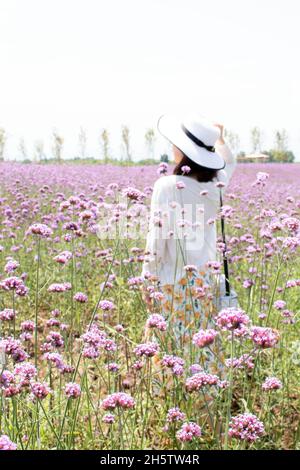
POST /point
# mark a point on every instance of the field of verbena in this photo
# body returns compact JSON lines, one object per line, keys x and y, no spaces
{"x":73,"y":317}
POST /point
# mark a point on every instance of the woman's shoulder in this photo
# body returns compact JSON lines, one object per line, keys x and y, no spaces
{"x":165,"y":181}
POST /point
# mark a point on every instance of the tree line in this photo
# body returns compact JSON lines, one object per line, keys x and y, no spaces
{"x":280,"y":151}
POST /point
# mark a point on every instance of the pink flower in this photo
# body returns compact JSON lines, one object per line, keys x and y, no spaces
{"x":271,"y":383}
{"x":185,"y":169}
{"x":246,"y":427}
{"x":204,"y":338}
{"x":108,"y":418}
{"x":231,"y":318}
{"x":6,"y":443}
{"x":264,"y":337}
{"x":14,"y":284}
{"x":63,"y":287}
{"x":106,"y":305}
{"x":7,"y":314}
{"x":80,"y":297}
{"x":188,"y":432}
{"x":180,"y":185}
{"x":40,"y":229}
{"x":200,"y":380}
{"x":146,"y":349}
{"x":156,"y":321}
{"x":279,"y":304}
{"x":121,"y":399}
{"x":174,"y":414}
{"x":162,"y":168}
{"x":245,"y":361}
{"x":72,"y":390}
{"x":40,"y":390}
{"x":25,"y":370}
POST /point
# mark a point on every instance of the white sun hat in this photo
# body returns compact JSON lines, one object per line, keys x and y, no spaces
{"x":195,"y":136}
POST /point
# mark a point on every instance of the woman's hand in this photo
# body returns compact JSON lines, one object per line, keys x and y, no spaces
{"x":220,"y":140}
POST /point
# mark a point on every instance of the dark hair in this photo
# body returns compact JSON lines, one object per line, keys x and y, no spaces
{"x":201,"y":173}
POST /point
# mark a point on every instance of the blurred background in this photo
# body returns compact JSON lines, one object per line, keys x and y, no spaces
{"x":89,"y":78}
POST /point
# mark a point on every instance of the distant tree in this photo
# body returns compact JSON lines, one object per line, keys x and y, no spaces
{"x":2,"y":143}
{"x":256,"y":139}
{"x":58,"y":142}
{"x":164,"y":158}
{"x":241,"y":155}
{"x":281,"y":152}
{"x":82,"y":140}
{"x":150,"y":142}
{"x":126,"y":142}
{"x":39,"y":153}
{"x":281,"y":140}
{"x":233,"y":140}
{"x":104,"y":140}
{"x":22,"y":148}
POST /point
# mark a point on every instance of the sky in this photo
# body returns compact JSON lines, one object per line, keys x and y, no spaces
{"x":97,"y":64}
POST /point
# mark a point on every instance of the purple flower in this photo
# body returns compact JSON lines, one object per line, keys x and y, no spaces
{"x":108,"y":418}
{"x":106,"y":305}
{"x":279,"y":304}
{"x":14,"y":284}
{"x":59,"y":287}
{"x":185,"y":169}
{"x":146,"y":349}
{"x":72,"y":390}
{"x":40,"y":390}
{"x":156,"y":321}
{"x":7,"y":314}
{"x":188,"y":432}
{"x":204,"y":338}
{"x":271,"y":383}
{"x":6,"y":443}
{"x":246,"y":427}
{"x":245,"y":361}
{"x":180,"y":185}
{"x":200,"y":380}
{"x":174,"y":414}
{"x":231,"y":318}
{"x":40,"y":229}
{"x":118,"y":399}
{"x":80,"y":297}
{"x":264,"y":337}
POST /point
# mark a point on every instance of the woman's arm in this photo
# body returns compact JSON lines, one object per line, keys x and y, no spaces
{"x":230,"y":159}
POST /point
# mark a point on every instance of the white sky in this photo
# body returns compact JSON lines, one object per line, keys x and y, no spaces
{"x":104,"y":63}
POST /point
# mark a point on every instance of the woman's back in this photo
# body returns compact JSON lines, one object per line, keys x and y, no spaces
{"x":182,"y":228}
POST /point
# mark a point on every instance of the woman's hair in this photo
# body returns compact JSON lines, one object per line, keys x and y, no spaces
{"x":201,"y":173}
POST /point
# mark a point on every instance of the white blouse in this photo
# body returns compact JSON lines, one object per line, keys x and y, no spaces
{"x":182,"y":228}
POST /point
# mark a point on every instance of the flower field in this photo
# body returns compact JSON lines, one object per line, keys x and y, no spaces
{"x":87,"y":357}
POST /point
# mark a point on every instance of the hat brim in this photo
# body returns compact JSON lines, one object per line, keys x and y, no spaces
{"x":170,"y":127}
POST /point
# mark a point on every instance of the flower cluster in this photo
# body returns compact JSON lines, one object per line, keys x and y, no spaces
{"x":146,"y":349}
{"x":246,"y":427}
{"x":156,"y":321}
{"x":174,"y":414}
{"x":118,"y":399}
{"x":188,"y":432}
{"x":200,"y":380}
{"x":72,"y":390}
{"x":6,"y":443}
{"x":14,"y":284}
{"x":231,"y":318}
{"x":40,"y":229}
{"x":271,"y":383}
{"x":264,"y":337}
{"x":204,"y":337}
{"x":173,"y":362}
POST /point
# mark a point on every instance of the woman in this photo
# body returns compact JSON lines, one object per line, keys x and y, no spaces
{"x":182,"y":238}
